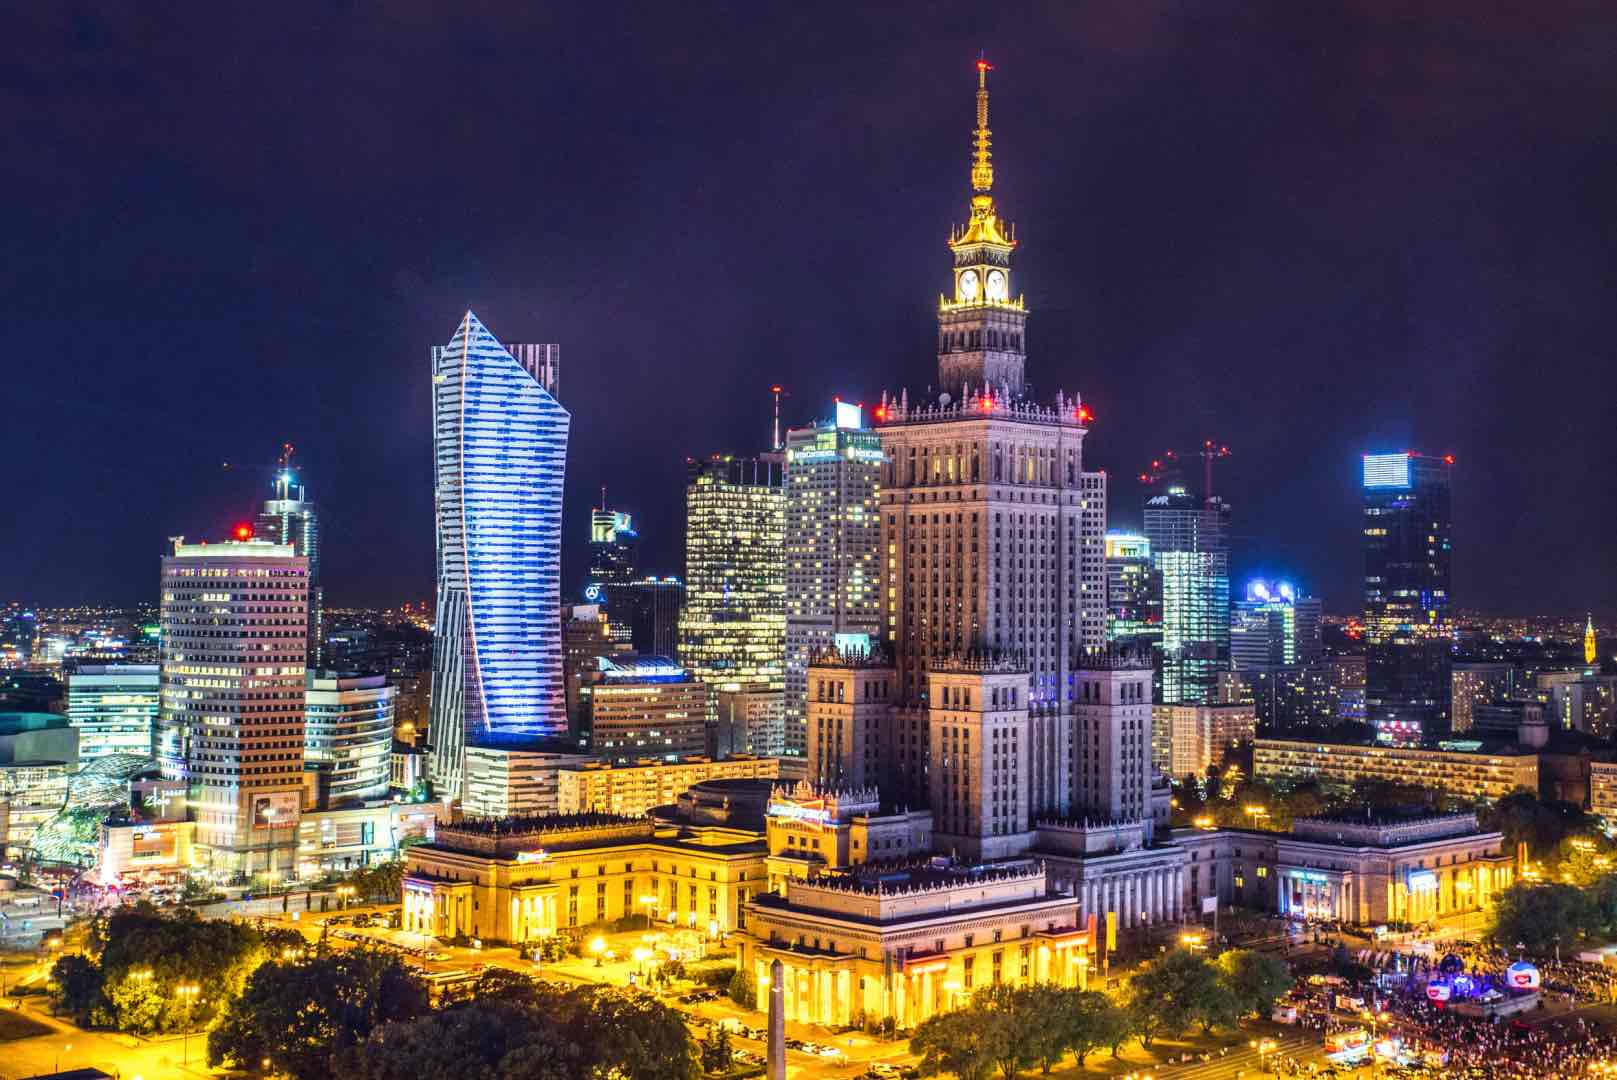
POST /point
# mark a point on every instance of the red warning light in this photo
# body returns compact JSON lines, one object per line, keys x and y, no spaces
{"x":244,"y":531}
{"x":775,"y":390}
{"x":1448,"y":459}
{"x":881,"y":412}
{"x":1084,"y":415}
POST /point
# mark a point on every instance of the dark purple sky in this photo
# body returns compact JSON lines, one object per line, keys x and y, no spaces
{"x":1303,"y":229}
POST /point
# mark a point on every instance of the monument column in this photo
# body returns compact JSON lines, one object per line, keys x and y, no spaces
{"x":777,"y":1022}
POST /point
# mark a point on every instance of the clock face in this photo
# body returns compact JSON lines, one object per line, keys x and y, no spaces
{"x":996,"y":284}
{"x":968,"y":285}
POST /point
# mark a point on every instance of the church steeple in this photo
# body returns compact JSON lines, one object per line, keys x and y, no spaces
{"x":1590,"y":649}
{"x":980,"y":329}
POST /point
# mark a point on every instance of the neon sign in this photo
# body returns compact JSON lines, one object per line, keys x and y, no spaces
{"x":793,"y":812}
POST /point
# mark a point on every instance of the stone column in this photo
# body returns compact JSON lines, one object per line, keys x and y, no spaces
{"x":777,"y":1022}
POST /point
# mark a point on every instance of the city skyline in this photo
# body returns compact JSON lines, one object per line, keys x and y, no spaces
{"x":1364,"y":305}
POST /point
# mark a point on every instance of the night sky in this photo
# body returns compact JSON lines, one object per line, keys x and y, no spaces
{"x":1306,"y":230}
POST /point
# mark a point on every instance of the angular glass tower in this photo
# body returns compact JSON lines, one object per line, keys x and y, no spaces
{"x":500,"y":449}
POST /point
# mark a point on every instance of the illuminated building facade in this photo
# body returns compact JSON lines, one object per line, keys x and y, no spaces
{"x":1360,"y":872}
{"x":1603,"y":791}
{"x":1133,"y":591}
{"x":992,"y":532}
{"x":1408,"y":631}
{"x":645,"y":707}
{"x":1274,"y":625}
{"x":1193,"y":737}
{"x":649,"y":609}
{"x":512,"y":781}
{"x":1472,"y":685}
{"x":833,"y":537}
{"x":114,"y":706}
{"x":348,"y":737}
{"x":291,"y":518}
{"x":529,"y":878}
{"x":614,"y":544}
{"x":1190,"y":548}
{"x":1471,"y":774}
{"x":747,"y":722}
{"x":634,"y":788}
{"x":732,"y":634}
{"x":235,"y":642}
{"x":500,"y":445}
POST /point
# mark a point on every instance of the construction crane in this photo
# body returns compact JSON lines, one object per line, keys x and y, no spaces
{"x":1167,"y":468}
{"x":282,"y":469}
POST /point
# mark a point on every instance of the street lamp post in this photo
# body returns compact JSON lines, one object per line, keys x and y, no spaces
{"x":187,"y":992}
{"x":1264,"y":1047}
{"x":598,"y":946}
{"x":649,"y":902}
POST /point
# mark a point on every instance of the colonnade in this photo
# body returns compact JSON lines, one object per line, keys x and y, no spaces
{"x":1157,"y":893}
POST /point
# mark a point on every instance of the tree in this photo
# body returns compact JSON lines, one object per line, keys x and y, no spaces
{"x":717,"y":1054}
{"x":1090,"y":1021}
{"x":633,"y":1036}
{"x":1540,"y":916}
{"x":955,"y":1042}
{"x":744,"y":989}
{"x":301,"y":1015}
{"x":1007,"y":1025}
{"x":76,"y":988}
{"x":1253,"y":980}
{"x":1174,"y":990}
{"x":480,"y":1039}
{"x":1048,"y":1029}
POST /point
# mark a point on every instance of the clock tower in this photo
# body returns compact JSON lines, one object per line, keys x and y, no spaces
{"x":982,"y":328}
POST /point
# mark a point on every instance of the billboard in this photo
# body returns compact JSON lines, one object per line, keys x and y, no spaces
{"x":276,"y":810}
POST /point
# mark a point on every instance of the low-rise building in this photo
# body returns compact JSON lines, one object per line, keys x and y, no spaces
{"x":633,"y":789}
{"x":1603,"y":791}
{"x":1351,"y":870}
{"x":528,"y":878}
{"x":31,"y":793}
{"x":114,"y":708}
{"x":513,"y":781}
{"x":904,"y":941}
{"x":813,"y":830}
{"x":348,"y":837}
{"x":1474,"y":773}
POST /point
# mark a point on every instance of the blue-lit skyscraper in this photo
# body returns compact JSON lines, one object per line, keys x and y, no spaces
{"x":500,"y":449}
{"x":1408,"y":635}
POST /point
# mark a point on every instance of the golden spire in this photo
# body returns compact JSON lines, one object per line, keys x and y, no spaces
{"x":982,"y":172}
{"x":1590,"y":648}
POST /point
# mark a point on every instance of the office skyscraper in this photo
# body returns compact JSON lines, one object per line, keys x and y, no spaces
{"x":613,"y":547}
{"x":1190,"y":548}
{"x":291,"y":518}
{"x":1408,"y":634}
{"x":348,"y":737}
{"x":833,"y":535}
{"x":235,"y":624}
{"x":500,"y":447}
{"x":1133,"y":591}
{"x":650,"y":609}
{"x":732,"y":635}
{"x":1274,"y":625}
{"x":114,"y":706}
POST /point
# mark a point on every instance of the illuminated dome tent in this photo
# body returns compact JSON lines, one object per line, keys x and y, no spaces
{"x":101,"y":788}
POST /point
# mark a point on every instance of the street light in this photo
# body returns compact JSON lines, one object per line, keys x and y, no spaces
{"x":1255,"y":812}
{"x":187,"y":992}
{"x":649,"y":902}
{"x":598,"y":946}
{"x":343,"y":893}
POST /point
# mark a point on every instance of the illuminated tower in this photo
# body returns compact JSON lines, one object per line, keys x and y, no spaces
{"x":1190,"y":548}
{"x":1590,"y":650}
{"x":732,"y":634}
{"x":290,"y":518}
{"x":1408,"y":633}
{"x":231,"y":713}
{"x":833,"y":533}
{"x":500,"y":444}
{"x":992,"y":532}
{"x":981,"y":332}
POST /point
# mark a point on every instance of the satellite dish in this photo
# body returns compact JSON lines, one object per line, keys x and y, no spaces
{"x":944,"y":399}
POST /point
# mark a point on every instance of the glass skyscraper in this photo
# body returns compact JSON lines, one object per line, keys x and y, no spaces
{"x":732,"y":634}
{"x":500,"y":448}
{"x":290,"y":518}
{"x":1189,"y":540}
{"x":833,"y":539}
{"x":1408,"y":634}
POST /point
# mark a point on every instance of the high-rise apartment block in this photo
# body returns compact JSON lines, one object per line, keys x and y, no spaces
{"x":833,"y":537}
{"x":1190,"y":547}
{"x":1474,"y":684}
{"x":1274,"y":625}
{"x":114,"y":707}
{"x":348,"y":737}
{"x":500,"y":445}
{"x":291,"y":518}
{"x":235,"y":642}
{"x":1408,"y":631}
{"x":733,"y":631}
